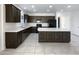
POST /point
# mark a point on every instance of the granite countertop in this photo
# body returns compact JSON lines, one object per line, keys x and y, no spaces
{"x":52,"y":29}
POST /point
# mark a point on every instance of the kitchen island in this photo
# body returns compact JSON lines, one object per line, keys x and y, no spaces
{"x":54,"y":35}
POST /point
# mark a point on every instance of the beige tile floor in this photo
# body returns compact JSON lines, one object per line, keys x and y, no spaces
{"x":31,"y":46}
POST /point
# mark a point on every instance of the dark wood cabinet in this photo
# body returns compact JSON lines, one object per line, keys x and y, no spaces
{"x":54,"y":36}
{"x":48,"y":36}
{"x":34,"y":30}
{"x":25,"y":33}
{"x":12,"y":13}
{"x":58,"y":36}
{"x":43,"y":19}
{"x":41,"y":36}
{"x":26,"y":17}
{"x":14,"y":39}
{"x":19,"y":37}
{"x":66,"y":36}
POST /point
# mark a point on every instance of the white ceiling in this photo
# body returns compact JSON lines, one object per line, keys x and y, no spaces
{"x":42,"y":8}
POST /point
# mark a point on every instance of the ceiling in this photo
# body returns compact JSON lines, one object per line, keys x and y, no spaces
{"x":48,"y":8}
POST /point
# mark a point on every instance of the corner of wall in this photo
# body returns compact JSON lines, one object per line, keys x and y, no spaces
{"x":2,"y":19}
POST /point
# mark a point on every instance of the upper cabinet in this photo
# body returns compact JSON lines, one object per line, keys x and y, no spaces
{"x":41,"y":19}
{"x":12,"y":13}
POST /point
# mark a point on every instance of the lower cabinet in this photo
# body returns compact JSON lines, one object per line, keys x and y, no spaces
{"x":14,"y":39}
{"x":63,"y":36}
{"x":34,"y":30}
{"x":42,"y":37}
{"x":25,"y":33}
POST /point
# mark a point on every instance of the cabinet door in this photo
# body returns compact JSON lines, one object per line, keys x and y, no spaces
{"x":12,"y":13}
{"x":11,"y":40}
{"x":9,"y":15}
{"x":15,"y":14}
{"x":66,"y":36}
{"x":19,"y":38}
{"x":19,"y":15}
{"x":34,"y":29}
{"x":58,"y":36}
{"x":24,"y":35}
{"x":50,"y":36}
{"x":42,"y":37}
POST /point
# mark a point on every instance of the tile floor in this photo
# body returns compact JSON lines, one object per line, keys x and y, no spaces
{"x":31,"y":46}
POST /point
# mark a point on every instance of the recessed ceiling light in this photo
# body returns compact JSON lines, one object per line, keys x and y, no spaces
{"x":48,"y":10}
{"x":33,"y":6}
{"x":50,"y":6}
{"x":68,"y":6}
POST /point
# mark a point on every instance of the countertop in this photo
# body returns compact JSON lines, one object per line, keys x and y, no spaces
{"x":16,"y":29}
{"x":52,"y":29}
{"x":20,"y":28}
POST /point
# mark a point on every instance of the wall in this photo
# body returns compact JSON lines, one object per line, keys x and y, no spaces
{"x":75,"y":22}
{"x":70,"y":20}
{"x":2,"y":27}
{"x":65,"y":19}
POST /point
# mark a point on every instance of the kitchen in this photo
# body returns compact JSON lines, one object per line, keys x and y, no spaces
{"x":46,"y":22}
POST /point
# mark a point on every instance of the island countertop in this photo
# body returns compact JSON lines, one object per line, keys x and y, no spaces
{"x":52,"y":29}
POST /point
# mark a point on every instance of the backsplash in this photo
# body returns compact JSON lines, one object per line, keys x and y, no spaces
{"x":34,"y":24}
